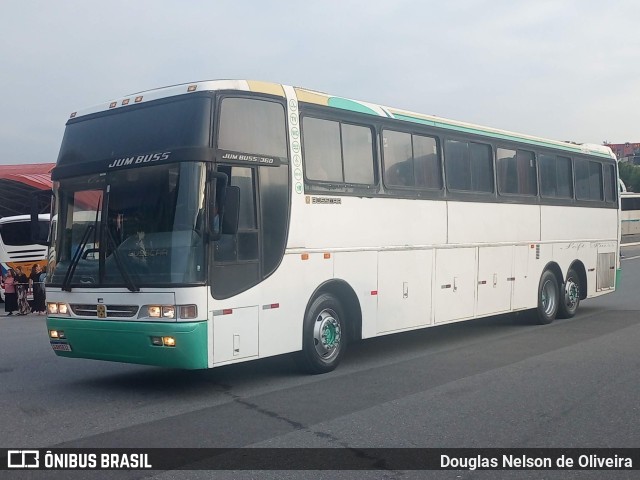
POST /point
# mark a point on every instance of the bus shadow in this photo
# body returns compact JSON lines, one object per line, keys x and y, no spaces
{"x":174,"y":383}
{"x":441,"y":336}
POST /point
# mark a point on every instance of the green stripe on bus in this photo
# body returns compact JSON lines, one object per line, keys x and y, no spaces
{"x":502,"y":136}
{"x":346,"y":104}
{"x":131,"y":341}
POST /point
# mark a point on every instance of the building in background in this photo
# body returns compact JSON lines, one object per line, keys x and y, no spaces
{"x":626,"y":152}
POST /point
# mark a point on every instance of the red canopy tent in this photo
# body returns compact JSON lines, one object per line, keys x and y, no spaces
{"x":18,"y":182}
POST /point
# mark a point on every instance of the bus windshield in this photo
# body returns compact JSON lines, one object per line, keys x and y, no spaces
{"x":18,"y":233}
{"x":136,"y":227}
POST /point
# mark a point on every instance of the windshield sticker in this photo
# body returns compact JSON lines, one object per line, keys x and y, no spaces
{"x":152,"y":157}
{"x":255,"y":159}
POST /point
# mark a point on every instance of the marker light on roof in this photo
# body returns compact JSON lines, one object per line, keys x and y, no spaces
{"x":73,"y":115}
{"x":192,"y":88}
{"x":138,"y":99}
{"x":113,"y":104}
{"x":125,"y":101}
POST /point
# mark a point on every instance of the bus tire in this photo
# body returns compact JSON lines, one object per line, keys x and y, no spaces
{"x":569,"y":295}
{"x":324,"y":335}
{"x":548,"y":298}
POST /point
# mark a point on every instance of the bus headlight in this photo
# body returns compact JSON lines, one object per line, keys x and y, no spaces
{"x":158,"y":311}
{"x":163,"y":341}
{"x":54,"y":308}
{"x":56,"y":334}
{"x":183,"y":312}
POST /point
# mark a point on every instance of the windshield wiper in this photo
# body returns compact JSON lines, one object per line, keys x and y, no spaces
{"x":66,"y":283}
{"x":121,"y":266}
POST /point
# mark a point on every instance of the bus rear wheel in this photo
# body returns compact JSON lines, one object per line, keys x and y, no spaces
{"x":324,"y":335}
{"x":570,"y":295}
{"x":548,"y":298}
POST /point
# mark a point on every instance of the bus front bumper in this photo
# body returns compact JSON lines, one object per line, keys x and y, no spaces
{"x":147,"y":343}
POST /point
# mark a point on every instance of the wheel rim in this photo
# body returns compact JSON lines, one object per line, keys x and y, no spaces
{"x":571,"y":294}
{"x":548,"y":298}
{"x":327,"y":335}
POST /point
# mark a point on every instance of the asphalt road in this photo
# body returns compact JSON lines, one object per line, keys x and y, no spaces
{"x":496,"y":382}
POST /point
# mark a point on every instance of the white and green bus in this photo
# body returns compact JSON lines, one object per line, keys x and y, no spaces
{"x":217,"y":222}
{"x":630,"y":213}
{"x":17,"y":248}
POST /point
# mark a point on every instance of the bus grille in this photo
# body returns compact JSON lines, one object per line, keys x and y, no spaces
{"x":27,"y":255}
{"x":113,"y":311}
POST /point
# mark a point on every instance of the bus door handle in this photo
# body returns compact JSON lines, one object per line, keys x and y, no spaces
{"x":455,"y":284}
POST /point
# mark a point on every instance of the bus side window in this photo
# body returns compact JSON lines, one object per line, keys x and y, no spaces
{"x":242,"y":246}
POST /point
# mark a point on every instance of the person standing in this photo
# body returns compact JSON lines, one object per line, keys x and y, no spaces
{"x":10,"y":299}
{"x":36,"y":281}
{"x":22,"y":285}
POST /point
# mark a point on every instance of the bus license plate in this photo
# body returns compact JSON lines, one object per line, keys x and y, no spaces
{"x":62,"y":347}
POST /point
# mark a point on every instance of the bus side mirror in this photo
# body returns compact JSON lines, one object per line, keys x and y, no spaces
{"x":231,"y":213}
{"x":38,"y":199}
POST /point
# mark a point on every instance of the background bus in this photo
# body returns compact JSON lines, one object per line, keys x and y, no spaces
{"x":339,"y":220}
{"x":17,"y":247}
{"x":630,"y":213}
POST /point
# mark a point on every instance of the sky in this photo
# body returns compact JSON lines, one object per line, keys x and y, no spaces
{"x":560,"y":69}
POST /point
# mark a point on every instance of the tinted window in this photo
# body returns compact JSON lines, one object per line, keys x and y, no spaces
{"x":322,"y":151}
{"x":588,"y":180}
{"x":469,"y":166}
{"x":398,"y":159}
{"x":426,"y":164}
{"x":252,"y":126}
{"x":236,"y":256}
{"x":629,"y":203}
{"x":242,"y":177}
{"x":517,"y":172}
{"x":151,"y":227}
{"x":411,"y":160}
{"x":555,"y":176}
{"x":134,"y":129}
{"x":357,"y":149}
{"x":595,"y":181}
{"x":337,"y":153}
{"x":274,"y":205}
{"x":242,"y":246}
{"x":18,"y":234}
{"x":610,"y":182}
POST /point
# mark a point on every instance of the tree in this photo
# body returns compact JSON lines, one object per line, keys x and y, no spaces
{"x":630,"y":175}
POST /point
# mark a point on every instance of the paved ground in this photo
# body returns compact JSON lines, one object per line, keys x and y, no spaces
{"x":496,"y":382}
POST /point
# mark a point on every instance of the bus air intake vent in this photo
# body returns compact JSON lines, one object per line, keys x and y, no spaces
{"x":113,"y":311}
{"x":606,"y":272}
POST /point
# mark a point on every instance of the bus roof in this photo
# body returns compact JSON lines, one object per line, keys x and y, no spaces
{"x":320,"y":98}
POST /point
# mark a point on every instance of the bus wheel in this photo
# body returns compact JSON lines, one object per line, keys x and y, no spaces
{"x":548,"y":298}
{"x":570,"y":295}
{"x":324,"y":333}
